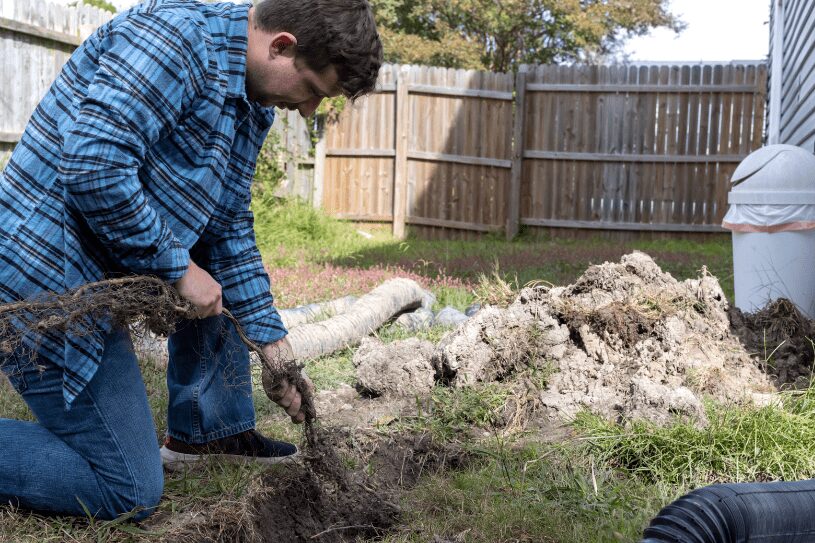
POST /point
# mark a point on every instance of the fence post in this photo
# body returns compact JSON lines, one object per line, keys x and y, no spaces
{"x":319,"y":171}
{"x":292,"y":153}
{"x":401,"y":160}
{"x":518,"y":142}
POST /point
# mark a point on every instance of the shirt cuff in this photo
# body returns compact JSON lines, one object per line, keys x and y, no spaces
{"x":171,"y":264}
{"x":266,"y":330}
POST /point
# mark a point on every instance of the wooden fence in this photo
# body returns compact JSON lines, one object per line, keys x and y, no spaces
{"x":36,"y":39}
{"x":636,"y":147}
{"x":459,"y":153}
{"x":630,"y":148}
{"x":433,"y":148}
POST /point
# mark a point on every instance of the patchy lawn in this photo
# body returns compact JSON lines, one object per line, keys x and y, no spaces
{"x":537,"y":484}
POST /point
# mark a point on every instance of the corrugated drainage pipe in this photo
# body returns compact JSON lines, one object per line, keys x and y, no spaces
{"x":739,"y":513}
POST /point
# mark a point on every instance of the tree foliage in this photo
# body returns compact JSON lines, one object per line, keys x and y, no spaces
{"x":499,"y":35}
{"x":101,"y":4}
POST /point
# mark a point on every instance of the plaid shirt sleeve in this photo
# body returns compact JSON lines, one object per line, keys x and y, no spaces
{"x":153,"y":66}
{"x":234,"y":261}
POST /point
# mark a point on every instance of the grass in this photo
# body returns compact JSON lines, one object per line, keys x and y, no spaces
{"x":602,"y":487}
{"x":536,"y":493}
{"x":312,"y":257}
{"x":740,"y":444}
{"x":455,"y":414}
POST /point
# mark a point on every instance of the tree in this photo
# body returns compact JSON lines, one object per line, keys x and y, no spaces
{"x":499,"y":35}
{"x":104,"y":5}
{"x":413,"y":33}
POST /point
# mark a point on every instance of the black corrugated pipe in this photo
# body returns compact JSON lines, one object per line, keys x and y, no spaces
{"x":739,"y":513}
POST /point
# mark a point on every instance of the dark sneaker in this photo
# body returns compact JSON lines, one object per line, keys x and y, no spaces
{"x":248,"y":446}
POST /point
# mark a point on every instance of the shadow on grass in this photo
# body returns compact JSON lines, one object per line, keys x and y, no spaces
{"x":557,"y":261}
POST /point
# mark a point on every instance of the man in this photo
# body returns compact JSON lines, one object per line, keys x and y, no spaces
{"x":139,"y":161}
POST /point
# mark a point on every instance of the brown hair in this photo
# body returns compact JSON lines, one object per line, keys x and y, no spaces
{"x":341,"y":33}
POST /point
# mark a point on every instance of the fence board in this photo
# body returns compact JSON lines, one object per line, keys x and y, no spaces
{"x":651,"y":158}
{"x":36,"y":39}
{"x":450,"y":169}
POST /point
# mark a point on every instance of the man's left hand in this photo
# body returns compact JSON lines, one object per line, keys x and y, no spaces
{"x":284,"y":394}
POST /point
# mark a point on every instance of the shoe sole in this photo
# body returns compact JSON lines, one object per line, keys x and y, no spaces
{"x":174,"y":461}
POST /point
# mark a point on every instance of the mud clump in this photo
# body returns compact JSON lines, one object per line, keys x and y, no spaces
{"x":400,"y":368}
{"x":626,"y":341}
{"x":781,"y":338}
{"x":323,"y":501}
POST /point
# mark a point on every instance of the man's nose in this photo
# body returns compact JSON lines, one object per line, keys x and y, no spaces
{"x":310,"y":106}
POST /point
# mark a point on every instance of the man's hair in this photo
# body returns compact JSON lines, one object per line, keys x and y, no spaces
{"x":341,"y":33}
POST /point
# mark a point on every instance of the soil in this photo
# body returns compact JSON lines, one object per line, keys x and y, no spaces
{"x":322,"y":499}
{"x":781,"y":338}
{"x":400,"y":368}
{"x":626,"y":341}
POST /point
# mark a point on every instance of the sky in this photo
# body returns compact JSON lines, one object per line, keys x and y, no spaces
{"x":718,"y":30}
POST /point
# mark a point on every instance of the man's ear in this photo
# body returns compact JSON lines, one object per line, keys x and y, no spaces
{"x":282,"y":43}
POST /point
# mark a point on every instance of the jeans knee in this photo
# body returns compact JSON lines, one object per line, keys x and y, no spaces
{"x":138,"y":491}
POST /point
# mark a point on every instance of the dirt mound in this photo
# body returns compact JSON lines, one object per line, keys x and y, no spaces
{"x":626,"y":341}
{"x":399,"y":368}
{"x":781,"y":338}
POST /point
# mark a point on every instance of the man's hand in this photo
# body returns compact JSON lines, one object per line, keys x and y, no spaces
{"x":201,"y":290}
{"x":284,"y":394}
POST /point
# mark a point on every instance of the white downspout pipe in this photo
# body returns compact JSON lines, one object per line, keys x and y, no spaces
{"x":777,"y":74}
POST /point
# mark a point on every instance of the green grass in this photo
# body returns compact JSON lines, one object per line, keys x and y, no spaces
{"x":604,"y":484}
{"x":537,"y":493}
{"x":289,"y":231}
{"x":293,"y":233}
{"x":604,"y":487}
{"x":740,"y":444}
{"x":11,"y":405}
{"x":329,"y":372}
{"x":455,"y":414}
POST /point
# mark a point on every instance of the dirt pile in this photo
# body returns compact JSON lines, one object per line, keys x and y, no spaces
{"x":626,"y":341}
{"x":781,"y":338}
{"x":397,"y":368}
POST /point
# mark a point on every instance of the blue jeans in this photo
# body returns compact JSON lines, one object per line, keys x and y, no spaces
{"x":103,"y":453}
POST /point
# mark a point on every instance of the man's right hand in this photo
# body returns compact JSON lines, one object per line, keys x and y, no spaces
{"x":201,"y":290}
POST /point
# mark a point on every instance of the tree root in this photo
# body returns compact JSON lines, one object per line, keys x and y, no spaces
{"x":128,"y":301}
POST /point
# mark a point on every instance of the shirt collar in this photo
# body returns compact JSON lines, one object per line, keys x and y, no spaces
{"x":237,"y":38}
{"x":237,"y":32}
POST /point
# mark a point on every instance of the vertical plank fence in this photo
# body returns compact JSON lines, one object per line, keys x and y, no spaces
{"x":455,"y":153}
{"x":36,"y":39}
{"x":432,"y":149}
{"x":649,"y":148}
{"x":619,"y":147}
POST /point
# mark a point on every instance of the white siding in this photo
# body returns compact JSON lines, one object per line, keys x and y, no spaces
{"x":794,"y":92}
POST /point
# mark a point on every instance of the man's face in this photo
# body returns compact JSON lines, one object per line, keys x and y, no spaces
{"x":275,"y":77}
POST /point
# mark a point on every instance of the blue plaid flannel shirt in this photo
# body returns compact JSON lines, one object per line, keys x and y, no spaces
{"x":140,"y":157}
